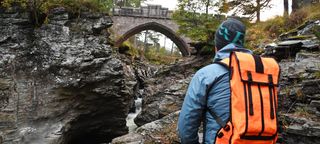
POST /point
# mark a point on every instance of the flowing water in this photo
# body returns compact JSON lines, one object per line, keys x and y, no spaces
{"x":130,"y":123}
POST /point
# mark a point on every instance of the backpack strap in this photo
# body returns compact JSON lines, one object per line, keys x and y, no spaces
{"x":225,"y":64}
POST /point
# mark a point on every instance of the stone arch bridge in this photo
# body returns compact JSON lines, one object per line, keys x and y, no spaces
{"x":129,"y":21}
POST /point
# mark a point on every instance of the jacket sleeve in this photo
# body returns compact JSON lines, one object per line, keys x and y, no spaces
{"x":192,"y":110}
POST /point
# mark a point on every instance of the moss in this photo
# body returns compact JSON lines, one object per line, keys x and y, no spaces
{"x":316,"y":31}
{"x":258,"y":51}
{"x":302,"y":111}
{"x":301,"y":37}
{"x":4,"y":84}
{"x":39,"y":9}
{"x":317,"y":74}
{"x":6,"y":117}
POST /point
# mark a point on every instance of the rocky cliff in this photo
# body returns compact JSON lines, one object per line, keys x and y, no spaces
{"x":299,"y":98}
{"x":164,"y":92}
{"x":61,"y":82}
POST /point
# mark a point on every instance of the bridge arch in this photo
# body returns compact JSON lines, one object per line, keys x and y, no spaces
{"x":181,"y":44}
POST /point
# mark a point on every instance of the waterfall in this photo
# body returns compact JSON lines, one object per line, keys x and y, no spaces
{"x":130,"y":123}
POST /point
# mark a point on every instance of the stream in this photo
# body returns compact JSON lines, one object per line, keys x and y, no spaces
{"x":130,"y":118}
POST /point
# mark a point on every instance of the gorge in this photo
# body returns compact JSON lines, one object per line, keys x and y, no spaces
{"x":64,"y":82}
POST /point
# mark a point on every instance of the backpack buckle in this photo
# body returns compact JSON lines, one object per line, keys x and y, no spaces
{"x":220,"y":135}
{"x":226,"y":128}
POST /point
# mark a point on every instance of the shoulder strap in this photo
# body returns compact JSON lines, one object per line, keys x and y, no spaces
{"x":225,"y":64}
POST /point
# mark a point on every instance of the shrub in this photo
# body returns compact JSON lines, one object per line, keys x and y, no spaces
{"x":40,"y":8}
{"x":162,"y":56}
{"x":73,"y":5}
{"x":302,"y":15}
{"x":263,"y":32}
{"x":275,"y":26}
{"x":255,"y":36}
{"x":316,"y":31}
{"x":127,"y":48}
{"x":297,"y":18}
{"x":317,"y":75}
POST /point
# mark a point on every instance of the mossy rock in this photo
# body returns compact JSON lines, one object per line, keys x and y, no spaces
{"x":4,"y":84}
{"x":6,"y":117}
{"x":300,"y":37}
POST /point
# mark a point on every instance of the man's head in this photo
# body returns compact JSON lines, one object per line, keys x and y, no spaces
{"x":230,"y":31}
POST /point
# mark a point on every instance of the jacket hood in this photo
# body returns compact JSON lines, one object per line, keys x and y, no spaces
{"x":225,"y":51}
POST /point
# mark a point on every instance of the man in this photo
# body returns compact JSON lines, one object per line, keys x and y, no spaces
{"x":229,"y":37}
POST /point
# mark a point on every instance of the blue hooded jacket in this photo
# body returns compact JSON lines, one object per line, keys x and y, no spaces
{"x":195,"y":100}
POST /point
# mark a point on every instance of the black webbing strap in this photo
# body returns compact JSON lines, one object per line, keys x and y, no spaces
{"x":217,"y":118}
{"x":222,"y":64}
{"x":250,"y":93}
{"x":258,"y":63}
{"x":271,"y":90}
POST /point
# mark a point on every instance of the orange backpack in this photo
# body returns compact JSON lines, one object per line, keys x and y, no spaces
{"x":253,"y":101}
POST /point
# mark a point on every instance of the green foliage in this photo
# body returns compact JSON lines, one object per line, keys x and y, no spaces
{"x":316,"y":31}
{"x":296,"y":19}
{"x":162,"y":56}
{"x":73,"y":5}
{"x":263,"y":32}
{"x":8,"y":3}
{"x":255,"y":36}
{"x":258,"y":51}
{"x":128,"y":3}
{"x":40,"y":8}
{"x":275,"y":26}
{"x":302,"y":111}
{"x":224,"y":7}
{"x":153,"y":54}
{"x":132,"y":51}
{"x":302,"y":15}
{"x":251,"y":8}
{"x":200,"y":27}
{"x":317,"y":74}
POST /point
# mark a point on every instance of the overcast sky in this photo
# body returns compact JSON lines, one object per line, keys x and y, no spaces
{"x":277,"y":7}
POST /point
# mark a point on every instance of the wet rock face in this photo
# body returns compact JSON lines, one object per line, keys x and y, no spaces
{"x":61,"y":83}
{"x":302,"y":38}
{"x":157,"y":132}
{"x":164,"y":92}
{"x":299,"y":98}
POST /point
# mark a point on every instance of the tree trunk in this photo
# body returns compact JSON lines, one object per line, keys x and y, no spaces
{"x":258,"y":9}
{"x":172,"y":47}
{"x":286,"y":8}
{"x":165,"y":42}
{"x":207,"y":7}
{"x":146,"y":41}
{"x":295,"y":5}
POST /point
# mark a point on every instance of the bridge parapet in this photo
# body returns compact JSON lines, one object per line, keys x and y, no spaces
{"x":149,"y":11}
